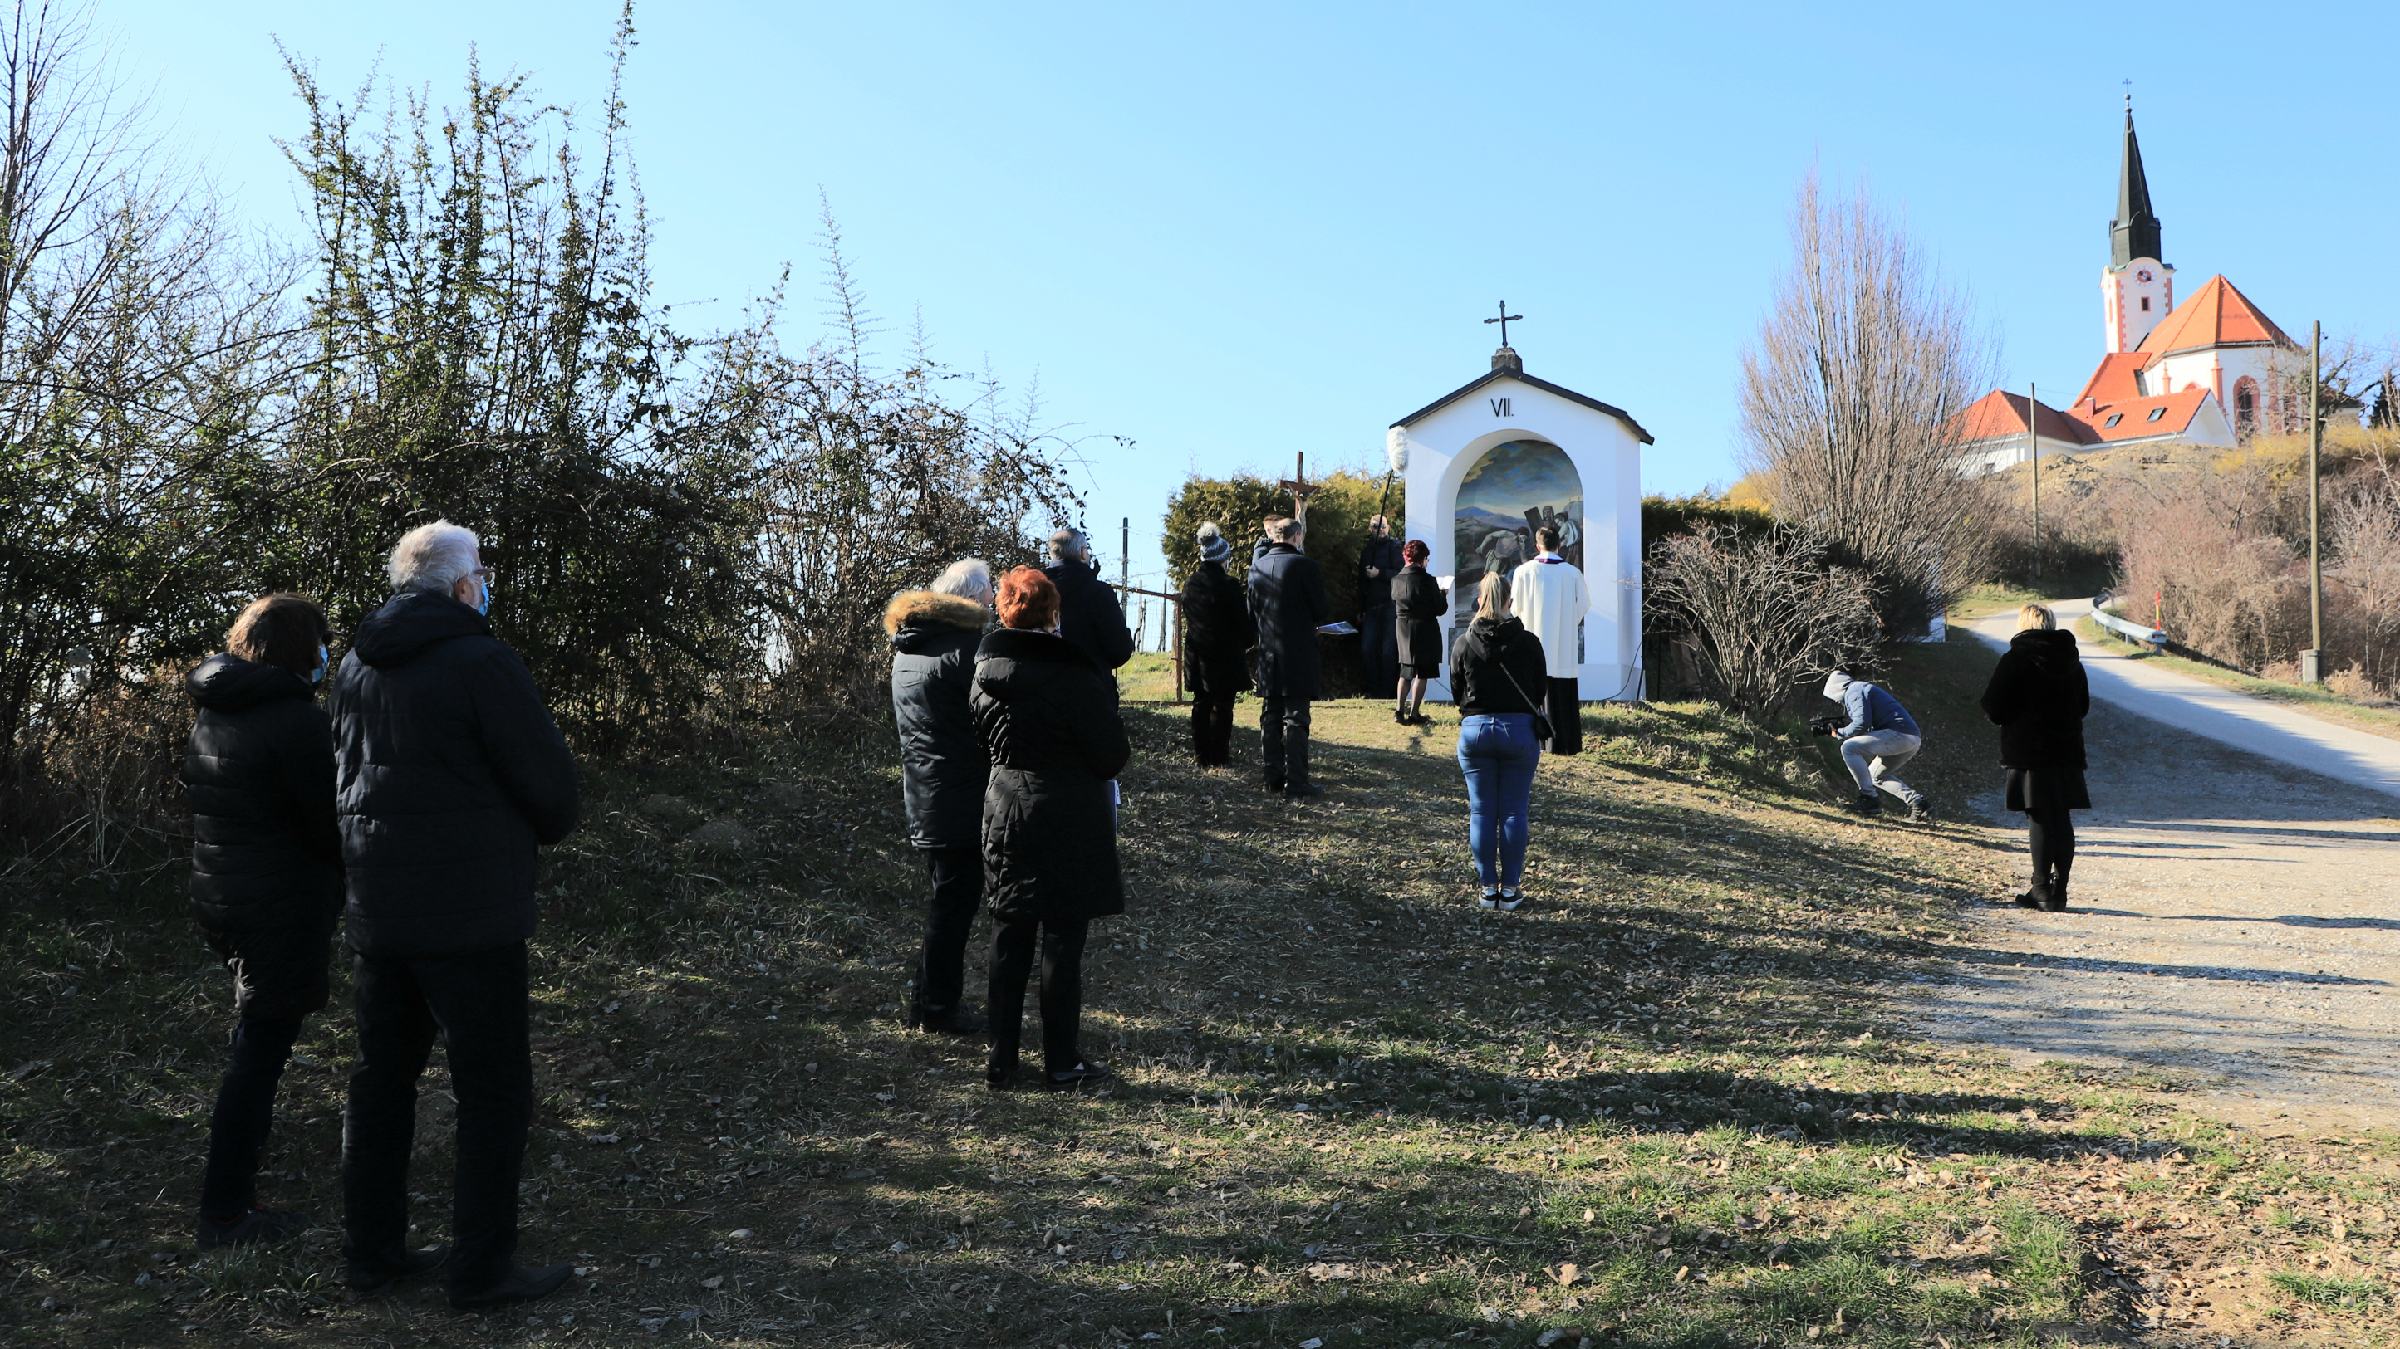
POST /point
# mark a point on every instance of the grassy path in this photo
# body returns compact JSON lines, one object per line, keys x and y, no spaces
{"x":1666,"y":1106}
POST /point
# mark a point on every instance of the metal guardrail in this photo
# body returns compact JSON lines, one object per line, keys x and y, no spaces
{"x":2154,"y":638}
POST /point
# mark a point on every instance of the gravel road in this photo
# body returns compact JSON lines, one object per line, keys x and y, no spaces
{"x":2233,"y":924}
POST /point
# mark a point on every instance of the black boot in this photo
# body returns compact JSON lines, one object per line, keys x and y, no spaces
{"x":958,"y":1020}
{"x":521,"y":1284}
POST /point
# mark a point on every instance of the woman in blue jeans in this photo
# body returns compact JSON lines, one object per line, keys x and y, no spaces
{"x":1496,"y":676}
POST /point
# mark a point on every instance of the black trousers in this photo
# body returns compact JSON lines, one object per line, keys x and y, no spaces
{"x":1283,"y":726}
{"x":949,"y":918}
{"x":1564,"y":706}
{"x":1061,"y":947}
{"x":2052,"y":834}
{"x":1378,"y":655}
{"x":1212,"y":729}
{"x":245,"y":1110}
{"x":477,"y":1000}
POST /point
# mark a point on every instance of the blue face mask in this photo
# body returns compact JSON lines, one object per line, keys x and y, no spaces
{"x":485,"y":608}
{"x":324,"y":658}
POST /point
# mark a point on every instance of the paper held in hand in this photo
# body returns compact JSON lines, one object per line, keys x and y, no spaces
{"x":1338,"y":629}
{"x":1445,"y":582}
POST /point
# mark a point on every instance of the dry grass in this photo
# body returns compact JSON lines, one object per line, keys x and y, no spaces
{"x":1667,"y":1105}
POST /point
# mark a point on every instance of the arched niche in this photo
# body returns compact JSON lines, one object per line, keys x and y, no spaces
{"x":1504,"y":492}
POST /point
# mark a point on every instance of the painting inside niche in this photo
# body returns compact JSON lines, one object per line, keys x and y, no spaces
{"x":1518,"y":486}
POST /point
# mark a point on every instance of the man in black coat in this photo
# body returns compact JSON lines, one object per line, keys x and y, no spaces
{"x":266,"y":880}
{"x":943,"y":771}
{"x":1288,"y":605}
{"x":1216,"y":648}
{"x":1089,"y":616}
{"x":1378,"y":562}
{"x":451,"y":775}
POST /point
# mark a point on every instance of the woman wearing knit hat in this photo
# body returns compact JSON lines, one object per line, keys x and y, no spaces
{"x":1048,"y":715}
{"x":1216,"y":648}
{"x":1420,"y":603}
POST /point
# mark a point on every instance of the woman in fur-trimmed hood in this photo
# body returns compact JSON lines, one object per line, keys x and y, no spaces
{"x":943,"y":769}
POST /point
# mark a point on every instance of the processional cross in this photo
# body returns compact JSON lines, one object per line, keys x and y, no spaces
{"x":1504,"y":320}
{"x":1299,"y":486}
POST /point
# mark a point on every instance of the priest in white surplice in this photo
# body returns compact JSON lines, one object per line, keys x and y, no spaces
{"x":1550,"y":600}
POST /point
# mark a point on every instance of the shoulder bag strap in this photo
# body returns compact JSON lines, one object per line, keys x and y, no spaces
{"x":1541,"y":718}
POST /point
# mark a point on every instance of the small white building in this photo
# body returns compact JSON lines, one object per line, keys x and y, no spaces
{"x":1996,"y":432}
{"x":1488,"y":462}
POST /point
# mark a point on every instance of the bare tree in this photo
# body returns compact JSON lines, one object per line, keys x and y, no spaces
{"x":1759,"y":613}
{"x":128,"y":333}
{"x":1851,"y":403}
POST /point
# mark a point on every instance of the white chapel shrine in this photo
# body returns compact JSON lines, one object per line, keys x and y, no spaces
{"x":1491,"y":460}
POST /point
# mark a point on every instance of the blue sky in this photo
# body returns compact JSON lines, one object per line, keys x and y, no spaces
{"x":1233,"y":232}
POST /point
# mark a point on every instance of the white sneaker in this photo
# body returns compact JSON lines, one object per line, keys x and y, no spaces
{"x":1509,"y":902}
{"x":1490,"y":900}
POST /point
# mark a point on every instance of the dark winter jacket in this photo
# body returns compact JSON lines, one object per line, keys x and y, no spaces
{"x":1216,"y":633}
{"x":1486,"y":653}
{"x":942,"y":764}
{"x":1089,"y":615}
{"x":1049,"y":720}
{"x":1287,"y":606}
{"x":2038,"y":697}
{"x":450,"y":774}
{"x":1420,"y":603}
{"x":1375,"y":592}
{"x":258,"y":772}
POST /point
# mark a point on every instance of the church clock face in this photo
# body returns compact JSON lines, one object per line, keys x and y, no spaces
{"x":2142,"y":275}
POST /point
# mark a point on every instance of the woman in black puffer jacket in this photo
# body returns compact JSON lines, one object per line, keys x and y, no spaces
{"x":2038,"y":697}
{"x":1048,"y":717}
{"x":266,"y":879}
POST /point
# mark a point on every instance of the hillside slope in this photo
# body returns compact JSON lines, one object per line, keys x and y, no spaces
{"x":1665,"y":1105}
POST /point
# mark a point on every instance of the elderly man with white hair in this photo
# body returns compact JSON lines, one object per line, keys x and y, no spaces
{"x":449,"y":776}
{"x":943,"y":772}
{"x":1089,"y":616}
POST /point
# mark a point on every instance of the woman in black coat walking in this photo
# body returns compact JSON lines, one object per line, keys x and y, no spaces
{"x":1216,"y":648}
{"x":2038,"y":697}
{"x":266,"y":880}
{"x":1419,"y":601}
{"x":1049,"y":720}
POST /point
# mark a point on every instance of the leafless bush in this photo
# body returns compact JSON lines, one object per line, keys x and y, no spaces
{"x":1851,"y":400}
{"x":2363,"y":534}
{"x":1760,"y":613}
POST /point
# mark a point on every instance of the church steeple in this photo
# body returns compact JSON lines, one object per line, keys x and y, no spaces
{"x":2134,"y":233}
{"x":2136,"y":288}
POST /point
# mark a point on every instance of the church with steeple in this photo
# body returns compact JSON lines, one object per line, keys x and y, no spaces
{"x":2211,"y":371}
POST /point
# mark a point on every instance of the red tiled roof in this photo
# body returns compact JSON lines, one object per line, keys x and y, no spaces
{"x":2216,"y":315}
{"x":2001,"y":413}
{"x":2132,"y":419}
{"x":2113,"y":382}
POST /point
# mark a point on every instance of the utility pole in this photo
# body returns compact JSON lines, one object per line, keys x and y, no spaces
{"x":2033,"y":433}
{"x":1124,"y":552}
{"x":2312,"y":661}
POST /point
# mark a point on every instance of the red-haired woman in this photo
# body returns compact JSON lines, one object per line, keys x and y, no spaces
{"x":1420,"y":603}
{"x":1048,"y":717}
{"x":266,"y":880}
